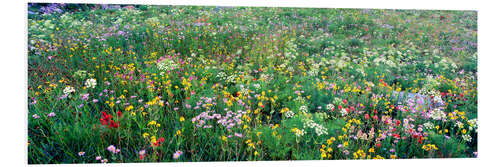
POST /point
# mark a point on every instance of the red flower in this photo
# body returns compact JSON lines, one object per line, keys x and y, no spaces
{"x":378,"y":145}
{"x":367,"y":116}
{"x":119,"y":113}
{"x":107,"y":119}
{"x":113,"y":124}
{"x":159,"y":141}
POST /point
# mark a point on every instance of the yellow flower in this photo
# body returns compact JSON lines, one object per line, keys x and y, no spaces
{"x":223,"y":138}
{"x":323,"y":154}
{"x":153,"y":139}
{"x":129,"y":108}
{"x":464,"y":131}
{"x":429,"y":147}
{"x":330,"y":141}
{"x":178,"y":132}
{"x":181,"y":119}
{"x":371,"y":150}
{"x":145,"y":135}
{"x":256,"y":153}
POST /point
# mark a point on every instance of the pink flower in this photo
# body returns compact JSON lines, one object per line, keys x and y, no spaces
{"x":51,"y":114}
{"x":36,"y":116}
{"x":238,"y":135}
{"x":113,"y":149}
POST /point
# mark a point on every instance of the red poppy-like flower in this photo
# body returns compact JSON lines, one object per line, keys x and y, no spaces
{"x":107,"y":119}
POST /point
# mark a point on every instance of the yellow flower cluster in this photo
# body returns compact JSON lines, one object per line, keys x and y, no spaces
{"x":429,"y":147}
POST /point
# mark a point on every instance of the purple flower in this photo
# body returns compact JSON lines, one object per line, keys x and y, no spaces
{"x":84,"y":97}
{"x":177,"y":154}
{"x":36,"y":116}
{"x":63,"y":96}
{"x":81,"y":153}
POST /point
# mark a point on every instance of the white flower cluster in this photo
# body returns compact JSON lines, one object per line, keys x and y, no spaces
{"x":437,"y":114}
{"x":303,"y":109}
{"x":343,"y":112}
{"x":231,"y":79}
{"x":289,"y":114}
{"x":314,"y":70}
{"x":167,"y":64}
{"x":472,"y":124}
{"x":428,"y":125}
{"x":266,"y":77}
{"x":330,"y":107}
{"x":290,"y":49}
{"x":244,"y":91}
{"x":319,"y":129}
{"x":68,"y":90}
{"x":467,"y":137}
{"x":90,"y":83}
{"x":221,"y":75}
{"x":382,"y":60}
{"x":459,"y":124}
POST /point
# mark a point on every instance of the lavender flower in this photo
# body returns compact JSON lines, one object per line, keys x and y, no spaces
{"x":177,"y":154}
{"x":51,"y":114}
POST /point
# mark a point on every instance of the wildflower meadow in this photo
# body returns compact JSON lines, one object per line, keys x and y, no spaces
{"x":148,"y":83}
